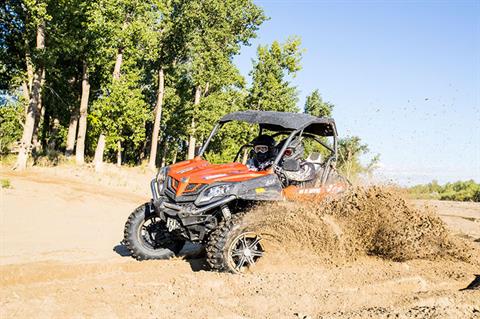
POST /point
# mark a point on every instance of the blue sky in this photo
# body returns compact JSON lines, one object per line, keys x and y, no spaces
{"x":403,"y":75}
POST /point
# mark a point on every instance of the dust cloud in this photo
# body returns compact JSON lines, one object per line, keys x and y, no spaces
{"x":374,"y":221}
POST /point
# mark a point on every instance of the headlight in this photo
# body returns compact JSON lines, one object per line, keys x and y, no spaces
{"x":215,"y":191}
{"x":161,"y":176}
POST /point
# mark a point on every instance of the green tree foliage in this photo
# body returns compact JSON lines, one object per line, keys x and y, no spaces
{"x":315,"y":105}
{"x":11,"y":118}
{"x":232,"y":136}
{"x":18,"y":22}
{"x":123,"y":49}
{"x":271,"y":89}
{"x":128,"y":26}
{"x":193,"y":41}
{"x":350,"y":151}
{"x":121,"y":113}
{"x":466,"y":191}
{"x":215,"y":31}
{"x":12,"y":45}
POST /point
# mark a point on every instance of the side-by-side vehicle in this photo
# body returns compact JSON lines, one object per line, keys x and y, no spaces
{"x":201,"y":202}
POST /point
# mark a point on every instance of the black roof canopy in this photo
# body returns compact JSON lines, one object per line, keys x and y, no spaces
{"x":281,"y":121}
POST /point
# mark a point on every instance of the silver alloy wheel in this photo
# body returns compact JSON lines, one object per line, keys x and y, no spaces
{"x":244,"y":251}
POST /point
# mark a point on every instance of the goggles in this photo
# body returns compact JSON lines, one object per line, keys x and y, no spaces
{"x":260,"y":149}
{"x":288,"y":152}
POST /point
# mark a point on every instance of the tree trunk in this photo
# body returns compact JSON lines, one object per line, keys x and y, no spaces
{"x":33,"y":109}
{"x":101,"y":139}
{"x":98,"y":159}
{"x":82,"y":123}
{"x":119,"y":153}
{"x":164,"y":154}
{"x":36,"y":146}
{"x":28,"y":62}
{"x":205,"y":92}
{"x":158,"y":119}
{"x":72,"y":132}
{"x":174,"y":159}
{"x":52,"y":141}
{"x":46,"y":128}
{"x":192,"y":141}
{"x":26,"y":95}
{"x":25,"y":142}
{"x":118,"y":64}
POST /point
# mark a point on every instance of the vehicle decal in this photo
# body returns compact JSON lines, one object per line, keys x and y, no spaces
{"x":188,"y":169}
{"x":310,"y":191}
{"x":214,"y":176}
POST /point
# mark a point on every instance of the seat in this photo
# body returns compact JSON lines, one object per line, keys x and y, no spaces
{"x":316,"y":159}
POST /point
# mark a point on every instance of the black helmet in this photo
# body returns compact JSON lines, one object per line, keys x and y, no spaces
{"x":264,"y":140}
{"x":294,"y":150}
{"x":265,"y":153}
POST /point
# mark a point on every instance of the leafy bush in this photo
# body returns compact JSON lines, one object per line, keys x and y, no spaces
{"x":466,"y":191}
{"x":11,"y":119}
{"x":5,"y":183}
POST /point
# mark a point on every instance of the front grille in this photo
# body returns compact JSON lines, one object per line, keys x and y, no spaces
{"x":192,"y":187}
{"x":171,"y":184}
{"x":189,"y":195}
{"x":174,"y":183}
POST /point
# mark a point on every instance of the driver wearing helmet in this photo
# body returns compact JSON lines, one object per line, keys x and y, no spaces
{"x":263,"y":153}
{"x":305,"y":171}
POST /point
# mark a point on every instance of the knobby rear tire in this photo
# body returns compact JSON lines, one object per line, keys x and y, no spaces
{"x":221,"y":239}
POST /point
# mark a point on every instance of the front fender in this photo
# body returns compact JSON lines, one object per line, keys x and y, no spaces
{"x":266,"y":187}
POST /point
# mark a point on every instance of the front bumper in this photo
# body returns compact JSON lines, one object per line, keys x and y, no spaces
{"x":164,"y":207}
{"x":193,"y":223}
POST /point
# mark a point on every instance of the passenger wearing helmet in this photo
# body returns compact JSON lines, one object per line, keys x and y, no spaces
{"x":263,"y":153}
{"x":302,"y":171}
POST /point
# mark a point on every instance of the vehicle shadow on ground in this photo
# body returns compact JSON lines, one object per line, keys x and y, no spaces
{"x":193,"y":254}
{"x":122,"y":250}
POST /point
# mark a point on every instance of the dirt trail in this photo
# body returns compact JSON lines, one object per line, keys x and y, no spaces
{"x":57,"y":261}
{"x":61,"y":218}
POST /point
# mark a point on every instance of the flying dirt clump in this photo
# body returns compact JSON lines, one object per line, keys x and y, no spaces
{"x":374,"y":221}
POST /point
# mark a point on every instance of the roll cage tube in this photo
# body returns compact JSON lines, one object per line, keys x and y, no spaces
{"x":284,"y":147}
{"x":240,"y":151}
{"x":314,"y":137}
{"x":212,"y":133}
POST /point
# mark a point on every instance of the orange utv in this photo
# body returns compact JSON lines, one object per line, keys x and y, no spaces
{"x":205,"y":203}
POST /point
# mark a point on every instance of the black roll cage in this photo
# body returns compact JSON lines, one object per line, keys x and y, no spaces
{"x":292,"y":134}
